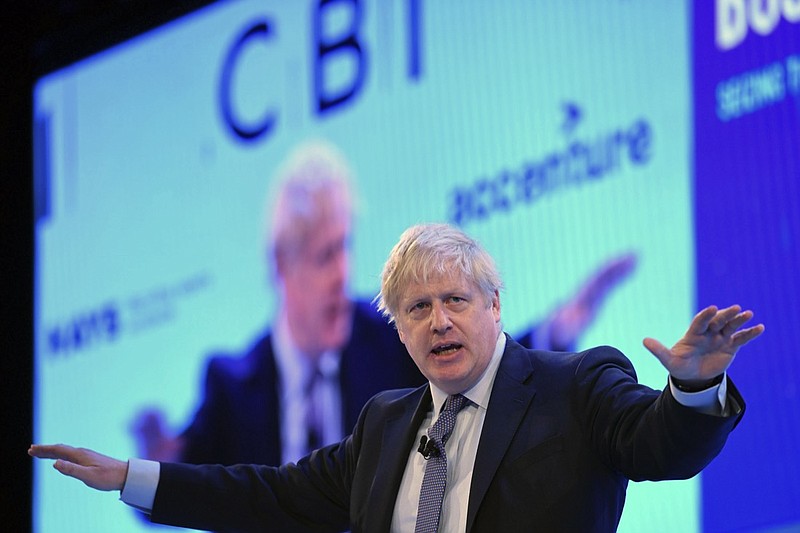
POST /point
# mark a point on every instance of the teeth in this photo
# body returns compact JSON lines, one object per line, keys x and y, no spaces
{"x":446,"y":350}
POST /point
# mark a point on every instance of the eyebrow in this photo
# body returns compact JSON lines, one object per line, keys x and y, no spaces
{"x":444,"y":295}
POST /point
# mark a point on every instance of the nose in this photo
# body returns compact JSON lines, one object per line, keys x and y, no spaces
{"x":440,"y":319}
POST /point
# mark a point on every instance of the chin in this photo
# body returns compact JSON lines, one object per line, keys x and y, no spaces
{"x":450,"y":381}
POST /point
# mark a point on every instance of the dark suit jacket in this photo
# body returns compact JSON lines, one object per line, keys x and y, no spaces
{"x":239,"y":419}
{"x":563,"y":434}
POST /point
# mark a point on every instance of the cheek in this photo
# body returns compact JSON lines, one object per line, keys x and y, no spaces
{"x":401,"y":334}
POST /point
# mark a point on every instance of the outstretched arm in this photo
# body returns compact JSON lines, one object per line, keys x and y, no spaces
{"x":95,"y":470}
{"x":708,"y":347}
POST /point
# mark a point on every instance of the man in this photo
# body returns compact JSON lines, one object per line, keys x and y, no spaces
{"x":543,"y":441}
{"x":303,"y":384}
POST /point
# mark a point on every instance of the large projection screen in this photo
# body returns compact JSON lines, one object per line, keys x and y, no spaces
{"x":561,"y":134}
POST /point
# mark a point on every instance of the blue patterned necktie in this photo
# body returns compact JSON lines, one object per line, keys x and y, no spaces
{"x":435,"y":479}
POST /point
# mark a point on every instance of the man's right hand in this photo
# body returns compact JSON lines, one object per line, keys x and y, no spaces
{"x":95,"y":470}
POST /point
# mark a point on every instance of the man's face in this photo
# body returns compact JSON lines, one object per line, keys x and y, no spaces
{"x":315,"y":285}
{"x":450,"y":329}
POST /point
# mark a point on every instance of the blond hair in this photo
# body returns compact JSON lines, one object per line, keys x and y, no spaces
{"x":426,"y":250}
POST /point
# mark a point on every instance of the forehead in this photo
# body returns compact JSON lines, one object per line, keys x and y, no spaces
{"x":437,"y":284}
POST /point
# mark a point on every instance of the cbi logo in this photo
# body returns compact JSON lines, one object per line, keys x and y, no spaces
{"x":339,"y":64}
{"x":734,"y":17}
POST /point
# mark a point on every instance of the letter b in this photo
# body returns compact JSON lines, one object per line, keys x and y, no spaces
{"x":335,"y":52}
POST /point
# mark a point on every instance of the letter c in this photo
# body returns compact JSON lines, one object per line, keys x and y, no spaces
{"x":248,"y":133}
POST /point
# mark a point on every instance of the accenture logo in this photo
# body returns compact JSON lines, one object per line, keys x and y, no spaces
{"x":581,"y":160}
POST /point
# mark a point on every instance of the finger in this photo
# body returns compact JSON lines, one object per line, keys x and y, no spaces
{"x":661,"y":352}
{"x":108,"y":475}
{"x":701,"y":320}
{"x":67,"y":468}
{"x":722,"y":318}
{"x":85,"y":474}
{"x":736,"y":322}
{"x":740,"y":338}
{"x":50,"y":451}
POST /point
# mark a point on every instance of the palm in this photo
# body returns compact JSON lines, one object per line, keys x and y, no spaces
{"x":709,"y":346}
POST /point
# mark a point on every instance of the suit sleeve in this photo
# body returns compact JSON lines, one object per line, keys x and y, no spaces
{"x":643,"y":433}
{"x":310,"y":496}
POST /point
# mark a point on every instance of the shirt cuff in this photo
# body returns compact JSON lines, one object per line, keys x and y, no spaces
{"x":141,"y":482}
{"x":711,"y":401}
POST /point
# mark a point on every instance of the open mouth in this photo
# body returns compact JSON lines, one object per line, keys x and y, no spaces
{"x":446,"y":349}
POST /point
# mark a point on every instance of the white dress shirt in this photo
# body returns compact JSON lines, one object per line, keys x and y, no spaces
{"x":461,"y":449}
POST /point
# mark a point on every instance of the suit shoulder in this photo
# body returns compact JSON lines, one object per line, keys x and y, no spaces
{"x":387,"y":402}
{"x":387,"y":397}
{"x":604,"y":355}
{"x":241,"y":366}
{"x":551,"y":363}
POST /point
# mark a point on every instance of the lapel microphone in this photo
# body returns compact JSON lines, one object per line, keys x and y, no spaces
{"x":427,"y":447}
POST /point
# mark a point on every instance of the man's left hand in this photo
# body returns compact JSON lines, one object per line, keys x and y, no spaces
{"x":709,"y":346}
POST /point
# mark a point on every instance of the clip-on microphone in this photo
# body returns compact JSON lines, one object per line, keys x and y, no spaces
{"x":427,"y":447}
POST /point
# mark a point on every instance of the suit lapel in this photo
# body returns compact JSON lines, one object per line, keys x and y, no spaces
{"x":399,"y":435}
{"x":511,"y":396}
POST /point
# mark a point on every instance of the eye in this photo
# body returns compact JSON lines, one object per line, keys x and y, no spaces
{"x":418,"y":307}
{"x":456,"y":300}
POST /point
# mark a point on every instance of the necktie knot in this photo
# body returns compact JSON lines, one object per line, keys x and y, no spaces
{"x":441,"y":430}
{"x":454,"y":402}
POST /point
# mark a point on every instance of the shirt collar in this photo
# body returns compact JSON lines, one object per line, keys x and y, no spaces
{"x":481,"y":391}
{"x":293,"y":365}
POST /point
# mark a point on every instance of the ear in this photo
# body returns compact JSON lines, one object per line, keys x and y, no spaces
{"x":496,"y":306}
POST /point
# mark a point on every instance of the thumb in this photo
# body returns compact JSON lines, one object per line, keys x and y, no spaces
{"x":68,"y":468}
{"x":661,"y":352}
